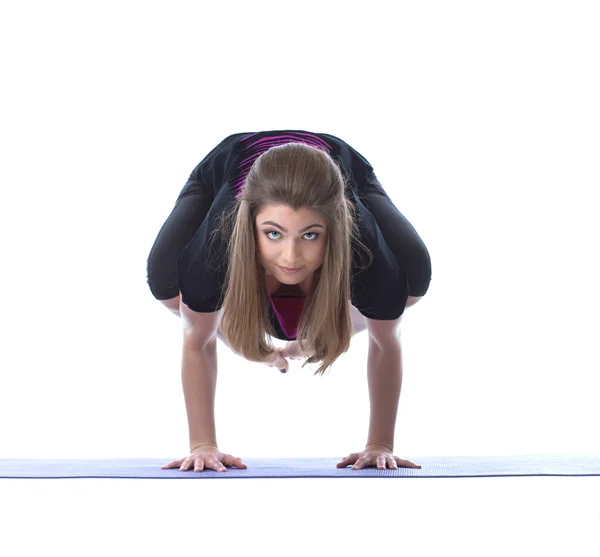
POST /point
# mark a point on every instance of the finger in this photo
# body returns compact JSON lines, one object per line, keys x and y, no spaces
{"x":218,"y":467}
{"x":278,"y":361}
{"x":350,"y":459}
{"x":172,"y":464}
{"x":392,"y":463}
{"x":185,"y":464}
{"x":230,"y":460}
{"x":406,"y":463}
{"x":282,"y":364}
{"x":215,"y":465}
{"x":273,"y":359}
{"x":381,"y":462}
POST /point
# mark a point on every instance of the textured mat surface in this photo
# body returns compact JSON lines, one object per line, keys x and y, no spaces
{"x":432,"y":467}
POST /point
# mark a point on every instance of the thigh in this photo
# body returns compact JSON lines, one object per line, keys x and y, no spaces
{"x":191,"y":207}
{"x":400,"y":236}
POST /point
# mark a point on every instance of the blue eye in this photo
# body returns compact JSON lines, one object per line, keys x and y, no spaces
{"x":277,"y":232}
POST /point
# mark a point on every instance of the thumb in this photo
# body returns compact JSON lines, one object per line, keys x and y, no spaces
{"x":281,"y":363}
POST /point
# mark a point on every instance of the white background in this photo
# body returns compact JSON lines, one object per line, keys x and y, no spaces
{"x":481,"y":120}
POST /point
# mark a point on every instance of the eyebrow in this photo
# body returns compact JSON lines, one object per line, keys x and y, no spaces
{"x":281,"y":227}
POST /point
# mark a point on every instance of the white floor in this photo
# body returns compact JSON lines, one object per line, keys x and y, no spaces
{"x":431,"y":517}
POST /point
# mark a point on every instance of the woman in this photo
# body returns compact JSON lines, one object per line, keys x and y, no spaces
{"x":244,"y":216}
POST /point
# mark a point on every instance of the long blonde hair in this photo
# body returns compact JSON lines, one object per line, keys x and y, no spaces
{"x":296,"y":175}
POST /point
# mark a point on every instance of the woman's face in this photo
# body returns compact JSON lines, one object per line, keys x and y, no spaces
{"x":301,"y":245}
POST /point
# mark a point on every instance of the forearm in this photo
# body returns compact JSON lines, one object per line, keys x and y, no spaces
{"x":384,"y":375}
{"x":199,"y":378}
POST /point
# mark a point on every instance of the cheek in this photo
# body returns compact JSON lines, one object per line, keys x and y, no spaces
{"x":322,"y":251}
{"x":267,"y":249}
{"x":262,"y":246}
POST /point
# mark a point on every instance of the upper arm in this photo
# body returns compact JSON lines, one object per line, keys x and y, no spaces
{"x":198,"y":328}
{"x":384,"y":332}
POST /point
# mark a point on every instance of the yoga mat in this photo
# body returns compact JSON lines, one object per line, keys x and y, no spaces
{"x":432,"y":467}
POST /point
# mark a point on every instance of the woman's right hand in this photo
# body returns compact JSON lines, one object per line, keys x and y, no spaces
{"x":291,"y":350}
{"x":206,"y":456}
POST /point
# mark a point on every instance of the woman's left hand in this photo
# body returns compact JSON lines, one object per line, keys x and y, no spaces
{"x":375,"y":456}
{"x":277,"y":360}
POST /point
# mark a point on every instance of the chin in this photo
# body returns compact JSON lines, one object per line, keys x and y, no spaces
{"x":296,"y":277}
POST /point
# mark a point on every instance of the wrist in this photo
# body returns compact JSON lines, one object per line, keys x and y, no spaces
{"x":387,"y":447}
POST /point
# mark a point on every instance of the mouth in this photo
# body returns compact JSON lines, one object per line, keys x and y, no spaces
{"x":290,"y":270}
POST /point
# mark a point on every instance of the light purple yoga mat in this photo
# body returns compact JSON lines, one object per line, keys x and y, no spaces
{"x":432,"y":467}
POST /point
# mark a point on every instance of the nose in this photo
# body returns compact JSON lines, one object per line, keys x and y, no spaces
{"x":290,"y":255}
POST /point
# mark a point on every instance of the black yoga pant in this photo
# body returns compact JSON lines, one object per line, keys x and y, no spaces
{"x":195,"y":200}
{"x":400,"y":236}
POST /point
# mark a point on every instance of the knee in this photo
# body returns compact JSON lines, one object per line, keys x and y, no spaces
{"x":161,"y":276}
{"x":172,"y":304}
{"x":412,"y":300}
